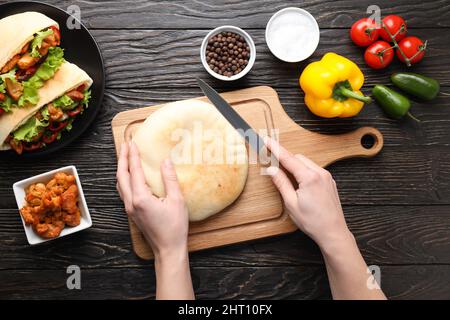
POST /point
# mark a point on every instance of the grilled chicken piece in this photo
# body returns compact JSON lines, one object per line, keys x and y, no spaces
{"x":10,"y":64}
{"x":43,"y":50}
{"x":17,"y":146}
{"x":25,"y":48}
{"x":27,"y":61}
{"x":14,"y":89}
{"x":75,"y":95}
{"x":55,"y":113}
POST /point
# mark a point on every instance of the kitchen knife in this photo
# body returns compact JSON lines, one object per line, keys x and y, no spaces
{"x":244,"y":129}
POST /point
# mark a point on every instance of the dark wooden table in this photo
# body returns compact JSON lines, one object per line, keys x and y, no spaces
{"x":397,"y":204}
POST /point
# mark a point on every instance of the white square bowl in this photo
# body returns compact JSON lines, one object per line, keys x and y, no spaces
{"x":19,"y":193}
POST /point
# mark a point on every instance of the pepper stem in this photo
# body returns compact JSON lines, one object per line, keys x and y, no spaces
{"x":351,"y":94}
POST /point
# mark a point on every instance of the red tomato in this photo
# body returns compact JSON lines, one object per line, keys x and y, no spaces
{"x":17,"y":146}
{"x":81,"y":88}
{"x":32,"y":146}
{"x":413,"y":48}
{"x":364,"y":32}
{"x":75,"y":111}
{"x":57,"y":34}
{"x":396,"y":26}
{"x":47,"y":139}
{"x":57,"y":126}
{"x":379,"y":55}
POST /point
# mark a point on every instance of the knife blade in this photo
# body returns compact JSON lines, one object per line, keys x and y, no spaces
{"x":244,"y":129}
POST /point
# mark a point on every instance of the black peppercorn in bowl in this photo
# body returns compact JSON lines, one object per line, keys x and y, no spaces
{"x":228,"y":53}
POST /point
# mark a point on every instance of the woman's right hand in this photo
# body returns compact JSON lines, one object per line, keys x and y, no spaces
{"x":312,"y":200}
{"x":314,"y":206}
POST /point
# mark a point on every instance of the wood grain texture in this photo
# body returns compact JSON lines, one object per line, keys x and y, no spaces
{"x":302,"y":282}
{"x":170,"y":58}
{"x":391,"y":235}
{"x":413,"y":168}
{"x":258,"y":212}
{"x":246,"y":14}
{"x":397,"y":204}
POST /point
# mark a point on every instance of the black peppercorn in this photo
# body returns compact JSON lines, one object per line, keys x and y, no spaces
{"x":227,"y":53}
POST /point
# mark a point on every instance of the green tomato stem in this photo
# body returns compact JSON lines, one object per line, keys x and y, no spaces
{"x":407,"y":60}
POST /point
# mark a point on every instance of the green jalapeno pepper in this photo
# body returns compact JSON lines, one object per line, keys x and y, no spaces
{"x":394,"y":104}
{"x":416,"y":85}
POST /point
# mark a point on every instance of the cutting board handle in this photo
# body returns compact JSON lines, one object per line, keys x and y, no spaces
{"x":355,"y":146}
{"x":326,"y":149}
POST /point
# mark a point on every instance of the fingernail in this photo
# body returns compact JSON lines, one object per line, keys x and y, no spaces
{"x":130,"y":143}
{"x":271,"y":171}
{"x":168,"y":163}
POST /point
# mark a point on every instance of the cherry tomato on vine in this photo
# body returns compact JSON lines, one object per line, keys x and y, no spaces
{"x":379,"y":55}
{"x":364,"y":32}
{"x":396,"y":26}
{"x":413,"y":48}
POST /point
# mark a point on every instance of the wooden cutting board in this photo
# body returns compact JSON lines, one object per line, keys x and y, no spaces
{"x":258,"y":212}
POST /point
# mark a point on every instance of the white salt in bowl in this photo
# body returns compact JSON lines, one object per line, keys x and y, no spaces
{"x":292,"y":34}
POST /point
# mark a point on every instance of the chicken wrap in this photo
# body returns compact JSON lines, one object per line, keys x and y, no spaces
{"x":29,"y":56}
{"x":61,"y":99}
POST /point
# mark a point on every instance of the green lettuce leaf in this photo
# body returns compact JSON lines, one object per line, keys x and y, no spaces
{"x":46,"y":71}
{"x":65,"y":103}
{"x":7,"y":104}
{"x":29,"y":130}
{"x":45,"y":114}
{"x":37,"y":42}
{"x":9,"y":75}
{"x":87,"y":97}
{"x":69,"y":125}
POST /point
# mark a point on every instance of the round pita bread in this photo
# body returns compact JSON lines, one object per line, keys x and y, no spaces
{"x":68,"y":77}
{"x":210,"y":157}
{"x":18,"y":29}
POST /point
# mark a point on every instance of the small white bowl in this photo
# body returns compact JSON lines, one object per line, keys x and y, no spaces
{"x":19,"y":193}
{"x":309,"y":28}
{"x":238,"y":31}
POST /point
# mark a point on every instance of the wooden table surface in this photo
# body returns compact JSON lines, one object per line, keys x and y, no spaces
{"x":397,"y":204}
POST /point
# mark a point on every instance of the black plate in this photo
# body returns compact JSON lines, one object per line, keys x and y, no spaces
{"x":79,"y":48}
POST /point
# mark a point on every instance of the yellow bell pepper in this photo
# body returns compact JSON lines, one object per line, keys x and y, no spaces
{"x":331,"y":87}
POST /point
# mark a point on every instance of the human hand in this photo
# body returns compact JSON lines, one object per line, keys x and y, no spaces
{"x":314,"y":204}
{"x":163,"y":221}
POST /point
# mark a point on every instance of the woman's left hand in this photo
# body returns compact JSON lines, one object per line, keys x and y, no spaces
{"x":163,"y":221}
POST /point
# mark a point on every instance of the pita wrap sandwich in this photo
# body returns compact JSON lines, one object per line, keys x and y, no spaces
{"x":29,"y":56}
{"x":61,"y":99}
